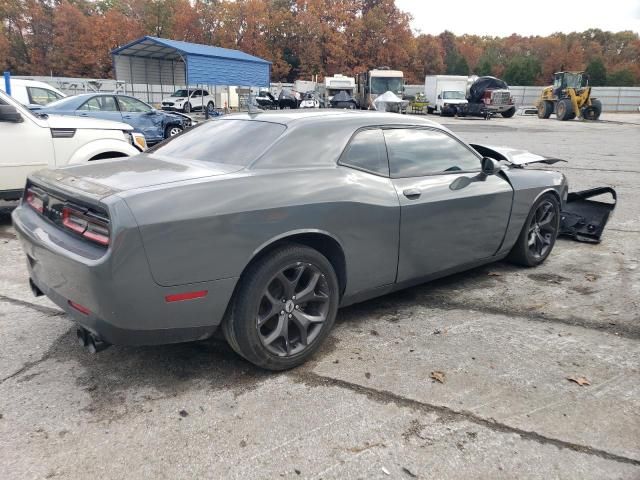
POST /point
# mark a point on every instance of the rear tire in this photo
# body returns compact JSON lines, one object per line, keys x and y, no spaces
{"x":430,"y":110}
{"x":545,"y":109}
{"x":564,"y":110}
{"x":275,"y":334}
{"x":539,"y":230}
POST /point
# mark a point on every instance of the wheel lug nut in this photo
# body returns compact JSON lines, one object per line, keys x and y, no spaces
{"x":297,"y":307}
{"x":284,"y":300}
{"x":293,"y":298}
{"x":282,"y":312}
{"x":290,"y":315}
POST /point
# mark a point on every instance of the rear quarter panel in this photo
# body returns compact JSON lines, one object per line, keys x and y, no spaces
{"x":211,"y":229}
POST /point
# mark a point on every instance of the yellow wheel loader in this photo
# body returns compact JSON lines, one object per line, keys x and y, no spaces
{"x":569,"y":97}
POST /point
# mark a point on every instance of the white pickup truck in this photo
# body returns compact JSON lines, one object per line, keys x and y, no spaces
{"x":31,"y":142}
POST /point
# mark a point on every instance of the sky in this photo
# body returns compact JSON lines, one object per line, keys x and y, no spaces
{"x":539,"y":17}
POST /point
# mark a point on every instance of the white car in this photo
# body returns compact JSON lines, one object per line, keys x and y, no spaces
{"x":189,"y":100}
{"x":32,"y":92}
{"x":31,"y":142}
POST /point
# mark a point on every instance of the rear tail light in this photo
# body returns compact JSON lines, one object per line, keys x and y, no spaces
{"x":89,"y":227}
{"x":34,"y":201}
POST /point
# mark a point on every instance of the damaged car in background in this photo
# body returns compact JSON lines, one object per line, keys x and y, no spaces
{"x":155,"y":125}
{"x":261,"y":239}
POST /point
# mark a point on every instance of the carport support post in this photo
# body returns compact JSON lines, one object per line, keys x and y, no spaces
{"x":7,"y":82}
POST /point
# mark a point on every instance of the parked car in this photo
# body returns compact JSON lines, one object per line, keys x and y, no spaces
{"x":155,"y":125}
{"x":235,"y":224}
{"x":32,"y":93}
{"x":190,"y":100}
{"x":33,"y":141}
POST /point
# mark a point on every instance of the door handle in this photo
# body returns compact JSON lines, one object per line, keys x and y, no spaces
{"x":411,"y":193}
{"x":84,"y":114}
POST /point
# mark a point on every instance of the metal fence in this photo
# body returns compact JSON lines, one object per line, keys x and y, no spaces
{"x":614,"y":99}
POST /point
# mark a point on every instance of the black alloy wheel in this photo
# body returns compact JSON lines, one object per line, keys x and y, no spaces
{"x":283,"y":308}
{"x":538,"y":234}
{"x":543,"y":229}
{"x":293,"y":309}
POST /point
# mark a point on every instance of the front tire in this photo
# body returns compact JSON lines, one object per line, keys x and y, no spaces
{"x":539,"y":233}
{"x":509,"y":113}
{"x":593,"y":112}
{"x":564,"y":110}
{"x":187,"y":108}
{"x":284,"y":308}
{"x":172,"y":131}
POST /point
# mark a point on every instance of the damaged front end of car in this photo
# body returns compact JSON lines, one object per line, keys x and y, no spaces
{"x":584,"y":214}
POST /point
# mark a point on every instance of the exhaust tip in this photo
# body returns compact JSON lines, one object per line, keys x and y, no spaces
{"x":90,"y":342}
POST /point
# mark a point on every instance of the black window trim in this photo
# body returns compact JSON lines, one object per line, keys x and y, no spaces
{"x":115,"y":100}
{"x":362,"y":169}
{"x":438,"y":130}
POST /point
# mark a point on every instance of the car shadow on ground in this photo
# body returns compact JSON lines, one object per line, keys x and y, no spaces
{"x":121,"y":376}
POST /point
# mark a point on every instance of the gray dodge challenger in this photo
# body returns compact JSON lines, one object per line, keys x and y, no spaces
{"x":264,"y":224}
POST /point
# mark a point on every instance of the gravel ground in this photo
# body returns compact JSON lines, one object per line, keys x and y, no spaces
{"x":505,"y":338}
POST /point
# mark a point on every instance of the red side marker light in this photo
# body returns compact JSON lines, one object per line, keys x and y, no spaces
{"x":179,"y":297}
{"x":82,"y":309}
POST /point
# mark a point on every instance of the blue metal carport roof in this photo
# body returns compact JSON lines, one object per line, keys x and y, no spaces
{"x":158,"y":61}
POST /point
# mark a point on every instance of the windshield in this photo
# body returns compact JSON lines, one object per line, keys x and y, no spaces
{"x":182,"y":93}
{"x":380,"y":85}
{"x":453,"y":95}
{"x":228,"y":141}
{"x":5,"y":100}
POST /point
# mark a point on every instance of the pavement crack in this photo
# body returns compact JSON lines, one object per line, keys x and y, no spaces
{"x":384,"y":396}
{"x":619,"y":330}
{"x":26,"y":367}
{"x":52,"y":312}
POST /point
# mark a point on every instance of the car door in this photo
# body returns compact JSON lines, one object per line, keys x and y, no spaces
{"x":100,"y":106}
{"x":142,"y":117}
{"x":196,"y":100}
{"x":451,"y":213}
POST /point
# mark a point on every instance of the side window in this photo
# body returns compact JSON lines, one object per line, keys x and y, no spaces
{"x":367,"y":151}
{"x":129,"y":104}
{"x":42,"y":96}
{"x":197,"y":93}
{"x":419,"y":152}
{"x":205,"y":93}
{"x":91,"y":105}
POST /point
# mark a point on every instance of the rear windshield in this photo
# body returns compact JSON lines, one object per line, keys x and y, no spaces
{"x":236,"y":142}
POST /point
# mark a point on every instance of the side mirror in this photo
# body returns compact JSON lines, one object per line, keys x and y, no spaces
{"x":440,"y":97}
{"x":9,"y":113}
{"x":490,"y":166}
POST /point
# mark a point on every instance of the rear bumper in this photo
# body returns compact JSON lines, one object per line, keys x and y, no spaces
{"x":123,"y":304}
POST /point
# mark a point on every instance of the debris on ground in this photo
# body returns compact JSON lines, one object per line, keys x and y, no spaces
{"x":437,"y":376}
{"x":367,"y":375}
{"x":494,"y":274}
{"x":183,"y":413}
{"x":385,"y":471}
{"x":590,"y":277}
{"x":409,"y":472}
{"x":582,"y":381}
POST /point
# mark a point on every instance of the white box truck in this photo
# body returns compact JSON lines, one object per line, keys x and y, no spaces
{"x":446,"y":93}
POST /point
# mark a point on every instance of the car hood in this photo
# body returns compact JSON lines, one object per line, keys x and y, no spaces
{"x":64,"y":121}
{"x":514,"y":156}
{"x":108,"y":177}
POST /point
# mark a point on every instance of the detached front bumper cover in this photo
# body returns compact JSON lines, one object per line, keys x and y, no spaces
{"x":584,"y":219}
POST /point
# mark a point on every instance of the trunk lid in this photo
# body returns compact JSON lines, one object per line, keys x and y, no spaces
{"x":107,"y":177}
